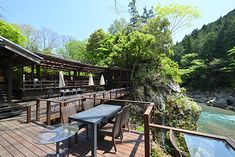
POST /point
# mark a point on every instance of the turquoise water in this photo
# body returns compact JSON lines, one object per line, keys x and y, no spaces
{"x":217,"y":121}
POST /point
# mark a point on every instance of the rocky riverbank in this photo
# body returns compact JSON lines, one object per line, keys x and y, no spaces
{"x":223,"y":98}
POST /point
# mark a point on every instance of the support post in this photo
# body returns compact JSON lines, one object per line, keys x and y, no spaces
{"x":38,"y":72}
{"x":153,"y":121}
{"x":32,"y":71}
{"x":28,"y":108}
{"x":38,"y":110}
{"x":62,"y":104}
{"x":48,"y":113}
{"x":146,"y":135}
{"x":9,"y":96}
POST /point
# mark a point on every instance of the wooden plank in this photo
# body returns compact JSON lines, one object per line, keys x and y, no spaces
{"x":29,"y":145}
{"x":27,"y":142}
{"x":17,"y":144}
{"x":32,"y":132}
{"x":9,"y":147}
{"x":4,"y":152}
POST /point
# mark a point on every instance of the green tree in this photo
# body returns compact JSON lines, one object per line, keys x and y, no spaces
{"x":32,"y":35}
{"x":93,"y":44}
{"x":12,"y":33}
{"x":117,"y":26}
{"x":179,"y":16}
{"x":75,"y":50}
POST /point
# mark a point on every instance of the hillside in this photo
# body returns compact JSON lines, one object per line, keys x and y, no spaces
{"x":203,"y":55}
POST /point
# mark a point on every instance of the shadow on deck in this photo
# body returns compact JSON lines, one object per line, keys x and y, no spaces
{"x":16,"y":138}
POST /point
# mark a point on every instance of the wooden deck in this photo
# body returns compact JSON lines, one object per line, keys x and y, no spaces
{"x":16,"y":139}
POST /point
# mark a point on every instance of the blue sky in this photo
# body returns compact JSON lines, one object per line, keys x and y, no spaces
{"x":79,"y":18}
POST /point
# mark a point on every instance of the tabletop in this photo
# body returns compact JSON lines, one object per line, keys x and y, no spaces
{"x":208,"y":147}
{"x":57,"y":134}
{"x":96,"y":114}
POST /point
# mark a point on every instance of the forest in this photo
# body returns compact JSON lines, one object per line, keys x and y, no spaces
{"x":207,"y":56}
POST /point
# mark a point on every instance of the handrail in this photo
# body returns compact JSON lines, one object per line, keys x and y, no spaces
{"x":187,"y":131}
{"x":68,"y":100}
{"x":148,"y":125}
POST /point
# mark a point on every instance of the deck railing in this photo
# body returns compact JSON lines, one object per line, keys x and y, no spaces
{"x":76,"y":99}
{"x":150,"y":126}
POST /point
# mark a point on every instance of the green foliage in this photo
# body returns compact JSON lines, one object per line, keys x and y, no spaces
{"x":140,"y":128}
{"x":210,"y":65}
{"x":12,"y":33}
{"x":93,"y":55}
{"x":75,"y":50}
{"x":117,"y":26}
{"x":181,"y":112}
{"x":170,"y":69}
{"x":231,"y":54}
{"x":157,"y":151}
{"x":179,"y":16}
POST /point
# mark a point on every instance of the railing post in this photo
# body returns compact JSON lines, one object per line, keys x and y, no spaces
{"x":153,"y":121}
{"x":48,"y":113}
{"x":62,"y":104}
{"x":94,"y":98}
{"x":28,"y":108}
{"x":38,"y":110}
{"x":146,"y":135}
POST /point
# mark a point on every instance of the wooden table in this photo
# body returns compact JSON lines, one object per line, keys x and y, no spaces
{"x":93,"y":117}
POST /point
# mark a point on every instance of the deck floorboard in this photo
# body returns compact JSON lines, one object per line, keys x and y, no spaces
{"x":17,"y":141}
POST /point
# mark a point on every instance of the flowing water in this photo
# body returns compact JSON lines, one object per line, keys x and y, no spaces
{"x":217,"y":121}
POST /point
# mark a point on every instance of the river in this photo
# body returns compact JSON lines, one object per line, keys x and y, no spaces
{"x":217,"y":121}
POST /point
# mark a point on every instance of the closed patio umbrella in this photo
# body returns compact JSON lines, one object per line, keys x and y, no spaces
{"x":61,"y":80}
{"x":91,"y":82}
{"x":102,"y":82}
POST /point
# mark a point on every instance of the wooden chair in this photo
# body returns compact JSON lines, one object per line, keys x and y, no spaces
{"x":178,"y":152}
{"x":88,"y":104}
{"x":112,"y":130}
{"x":67,"y":111}
{"x":125,"y":119}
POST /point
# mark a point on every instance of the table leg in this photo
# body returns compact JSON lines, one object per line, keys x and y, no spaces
{"x":57,"y":149}
{"x":94,"y":140}
{"x":69,"y":140}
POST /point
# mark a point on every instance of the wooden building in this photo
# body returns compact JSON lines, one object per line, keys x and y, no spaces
{"x":25,"y":75}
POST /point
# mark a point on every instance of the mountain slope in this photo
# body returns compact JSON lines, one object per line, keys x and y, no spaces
{"x":203,"y":54}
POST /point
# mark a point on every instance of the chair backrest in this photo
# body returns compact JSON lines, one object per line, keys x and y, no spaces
{"x":174,"y":144}
{"x":117,"y":124}
{"x":88,"y":104}
{"x":67,"y":111}
{"x":125,"y":115}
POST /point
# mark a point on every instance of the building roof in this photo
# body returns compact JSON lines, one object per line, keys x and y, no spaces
{"x":16,"y":53}
{"x":20,"y":56}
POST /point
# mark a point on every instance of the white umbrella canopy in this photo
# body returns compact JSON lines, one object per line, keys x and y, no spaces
{"x":102,"y":82}
{"x":61,"y":80}
{"x":91,"y":81}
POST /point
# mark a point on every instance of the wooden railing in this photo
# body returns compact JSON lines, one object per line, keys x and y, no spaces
{"x":76,"y":99}
{"x":150,"y":126}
